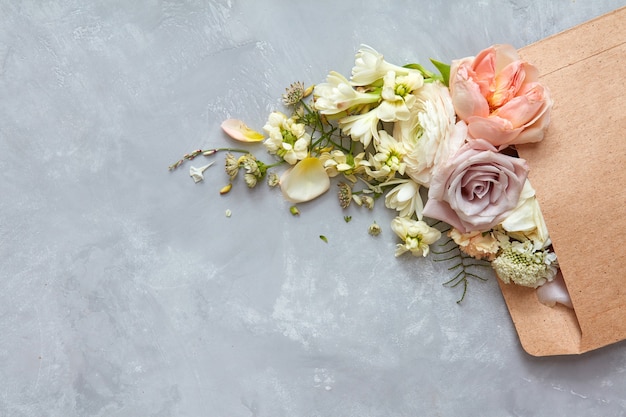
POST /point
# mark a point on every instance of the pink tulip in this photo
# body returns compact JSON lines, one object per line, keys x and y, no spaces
{"x":499,"y":97}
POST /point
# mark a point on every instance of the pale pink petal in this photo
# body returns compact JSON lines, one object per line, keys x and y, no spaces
{"x":535,"y":131}
{"x":496,"y":130}
{"x":441,"y":211}
{"x":554,"y":292}
{"x":505,"y":54}
{"x":484,"y":67}
{"x":522,"y":109}
{"x":468,"y":101}
{"x":238,"y":130}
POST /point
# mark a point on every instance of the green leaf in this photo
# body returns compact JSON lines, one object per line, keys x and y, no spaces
{"x":444,"y":70}
{"x":324,"y":238}
{"x":420,"y":68}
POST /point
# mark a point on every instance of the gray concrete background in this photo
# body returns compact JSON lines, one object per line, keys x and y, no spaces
{"x":126,"y":291}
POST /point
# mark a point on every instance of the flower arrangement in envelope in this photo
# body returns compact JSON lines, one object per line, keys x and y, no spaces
{"x":454,"y":154}
{"x":579,"y":174}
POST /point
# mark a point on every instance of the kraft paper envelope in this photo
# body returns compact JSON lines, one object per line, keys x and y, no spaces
{"x":579,"y":173}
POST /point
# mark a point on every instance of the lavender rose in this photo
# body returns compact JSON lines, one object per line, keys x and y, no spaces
{"x":476,"y":188}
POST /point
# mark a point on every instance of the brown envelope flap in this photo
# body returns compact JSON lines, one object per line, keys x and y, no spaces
{"x":579,"y":173}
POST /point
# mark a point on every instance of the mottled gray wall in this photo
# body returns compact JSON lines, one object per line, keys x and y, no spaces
{"x":126,"y":291}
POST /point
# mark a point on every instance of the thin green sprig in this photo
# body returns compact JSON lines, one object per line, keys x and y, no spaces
{"x":205,"y":152}
{"x":463,"y":266}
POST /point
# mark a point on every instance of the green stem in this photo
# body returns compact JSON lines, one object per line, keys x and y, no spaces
{"x":206,"y":152}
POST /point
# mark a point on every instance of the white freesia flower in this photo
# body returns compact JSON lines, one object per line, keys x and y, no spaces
{"x":397,"y":95}
{"x":388,"y":159}
{"x":304,"y":181}
{"x":287,"y":139}
{"x":526,"y":220}
{"x":197,"y":173}
{"x":337,"y":95}
{"x":405,"y":198}
{"x":430,"y":135}
{"x":238,"y":130}
{"x":417,"y":235}
{"x":370,"y":66}
{"x":297,"y":151}
{"x":361,"y":127}
{"x":337,"y":162}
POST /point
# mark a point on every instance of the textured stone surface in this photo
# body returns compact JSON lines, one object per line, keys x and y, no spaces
{"x":126,"y":291}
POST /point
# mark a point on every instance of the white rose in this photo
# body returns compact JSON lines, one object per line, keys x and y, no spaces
{"x":526,"y":220}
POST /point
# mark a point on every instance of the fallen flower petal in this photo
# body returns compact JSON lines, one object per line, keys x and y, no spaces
{"x":238,"y":130}
{"x":196,"y":173}
{"x":304,"y":181}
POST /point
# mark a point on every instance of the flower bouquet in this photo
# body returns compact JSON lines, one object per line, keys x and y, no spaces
{"x":439,"y":148}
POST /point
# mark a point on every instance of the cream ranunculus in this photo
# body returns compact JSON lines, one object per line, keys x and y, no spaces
{"x":430,"y":135}
{"x":526,"y":220}
{"x":416,"y":235}
{"x":304,"y":181}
